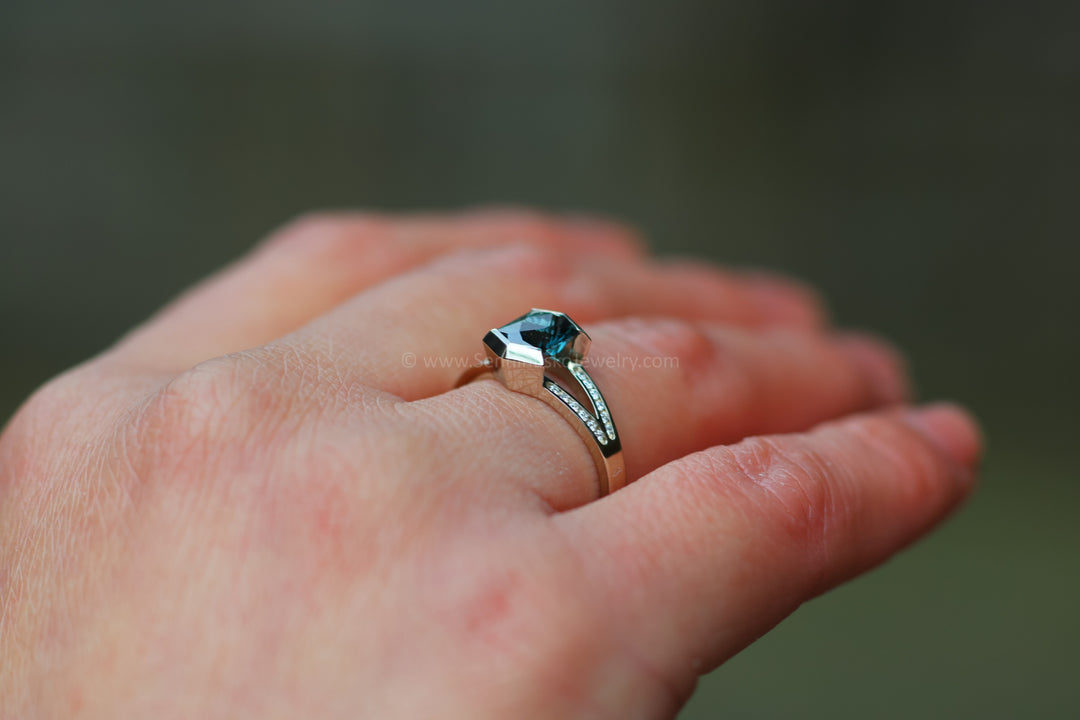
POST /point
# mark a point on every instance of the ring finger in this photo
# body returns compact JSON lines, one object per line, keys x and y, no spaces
{"x":673,"y":387}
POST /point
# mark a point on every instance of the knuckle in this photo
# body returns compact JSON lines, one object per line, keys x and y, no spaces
{"x":697,"y":351}
{"x":69,"y":423}
{"x":47,"y":402}
{"x":215,"y":405}
{"x":328,"y":232}
{"x":792,"y":486}
{"x":528,"y":264}
{"x":246,"y":404}
{"x":29,"y":430}
{"x":184,"y":411}
{"x":546,"y":230}
{"x":689,"y":341}
{"x":522,"y":225}
{"x":48,"y":411}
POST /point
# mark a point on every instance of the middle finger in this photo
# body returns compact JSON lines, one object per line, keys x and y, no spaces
{"x":414,"y":335}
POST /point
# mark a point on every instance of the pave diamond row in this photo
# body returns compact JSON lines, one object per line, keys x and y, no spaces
{"x":586,"y":417}
{"x":600,"y":425}
{"x":597,"y":399}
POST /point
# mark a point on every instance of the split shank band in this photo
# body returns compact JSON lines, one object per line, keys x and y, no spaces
{"x":542,"y":354}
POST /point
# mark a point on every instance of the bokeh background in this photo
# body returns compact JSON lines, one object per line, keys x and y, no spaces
{"x":917,"y":161}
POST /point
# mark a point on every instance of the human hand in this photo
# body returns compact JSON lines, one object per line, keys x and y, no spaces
{"x":257,"y":505}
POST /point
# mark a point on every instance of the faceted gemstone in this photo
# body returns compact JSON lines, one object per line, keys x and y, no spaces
{"x":549,"y":332}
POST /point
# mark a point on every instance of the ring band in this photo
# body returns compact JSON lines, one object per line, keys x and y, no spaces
{"x":541,"y":354}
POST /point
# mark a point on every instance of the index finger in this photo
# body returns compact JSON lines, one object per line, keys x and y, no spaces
{"x":699,"y":558}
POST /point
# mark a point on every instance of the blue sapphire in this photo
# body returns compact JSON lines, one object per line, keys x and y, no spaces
{"x":552,"y":333}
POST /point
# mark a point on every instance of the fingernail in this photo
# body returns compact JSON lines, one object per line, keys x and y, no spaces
{"x":881,"y":364}
{"x":785,"y":300}
{"x":951,"y":428}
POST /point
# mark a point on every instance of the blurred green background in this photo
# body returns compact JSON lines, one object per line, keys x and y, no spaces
{"x":920,"y":162}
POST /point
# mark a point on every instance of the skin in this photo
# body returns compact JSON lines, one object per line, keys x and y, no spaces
{"x":253,"y":506}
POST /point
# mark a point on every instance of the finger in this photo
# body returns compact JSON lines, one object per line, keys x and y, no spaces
{"x":704,"y":555}
{"x":317,"y":262}
{"x":414,"y":335}
{"x":673,"y":387}
{"x":695,"y":290}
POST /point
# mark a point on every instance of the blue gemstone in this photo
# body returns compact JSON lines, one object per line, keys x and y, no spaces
{"x":550,"y":332}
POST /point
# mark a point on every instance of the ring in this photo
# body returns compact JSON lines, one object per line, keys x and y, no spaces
{"x":541,"y":354}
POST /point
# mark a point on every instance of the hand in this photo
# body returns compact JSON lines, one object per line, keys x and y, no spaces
{"x":252,"y":507}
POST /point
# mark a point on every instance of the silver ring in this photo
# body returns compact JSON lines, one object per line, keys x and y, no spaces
{"x":541,"y":354}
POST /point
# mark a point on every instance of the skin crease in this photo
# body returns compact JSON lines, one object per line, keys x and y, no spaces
{"x":249,"y":507}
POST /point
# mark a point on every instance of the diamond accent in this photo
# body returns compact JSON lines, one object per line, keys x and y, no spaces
{"x":600,"y":423}
{"x":602,"y":435}
{"x":597,"y":400}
